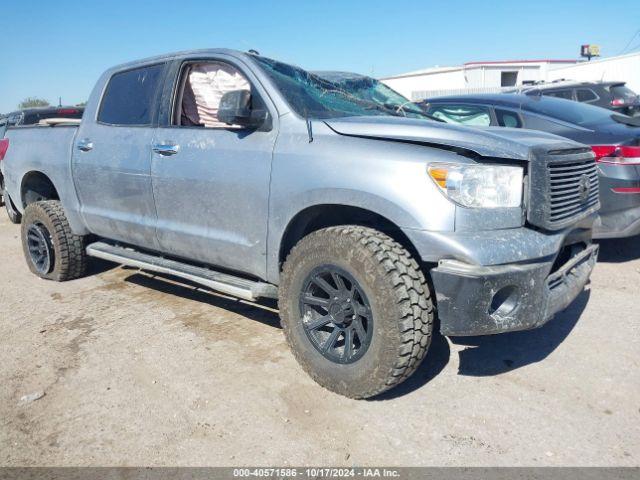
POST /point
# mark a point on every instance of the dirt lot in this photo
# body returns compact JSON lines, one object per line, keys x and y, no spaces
{"x":140,"y":370}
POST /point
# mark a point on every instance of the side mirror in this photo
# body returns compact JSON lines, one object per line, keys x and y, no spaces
{"x":235,"y":109}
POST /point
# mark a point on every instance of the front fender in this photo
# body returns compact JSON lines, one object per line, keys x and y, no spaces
{"x":389,"y":179}
{"x":290,"y":211}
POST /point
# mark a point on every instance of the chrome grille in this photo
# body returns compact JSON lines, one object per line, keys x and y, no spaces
{"x":563,"y":188}
{"x":573,"y":189}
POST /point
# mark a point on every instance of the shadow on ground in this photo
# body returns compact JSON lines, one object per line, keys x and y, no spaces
{"x":266,"y":313}
{"x":494,"y":354}
{"x":262,"y":311}
{"x":98,"y":266}
{"x":483,"y":355}
{"x":435,"y":361}
{"x":619,"y":250}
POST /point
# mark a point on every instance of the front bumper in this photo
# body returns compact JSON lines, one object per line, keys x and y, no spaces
{"x":482,"y":300}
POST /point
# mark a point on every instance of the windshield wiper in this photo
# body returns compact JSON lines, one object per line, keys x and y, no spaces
{"x":383,"y":108}
{"x":416,"y":110}
{"x":388,"y":108}
{"x":368,"y":105}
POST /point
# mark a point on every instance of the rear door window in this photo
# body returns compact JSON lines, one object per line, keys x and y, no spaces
{"x":474,"y":115}
{"x":568,"y":94}
{"x":506,"y":118}
{"x":131,"y":96}
{"x":586,"y":95}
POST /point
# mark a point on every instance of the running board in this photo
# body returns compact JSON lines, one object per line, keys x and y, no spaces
{"x":221,"y":282}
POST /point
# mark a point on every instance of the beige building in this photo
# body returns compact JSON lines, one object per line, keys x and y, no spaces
{"x":493,"y":77}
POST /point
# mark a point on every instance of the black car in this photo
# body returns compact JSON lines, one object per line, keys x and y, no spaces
{"x":31,"y":116}
{"x":614,"y":96}
{"x":615,"y":139}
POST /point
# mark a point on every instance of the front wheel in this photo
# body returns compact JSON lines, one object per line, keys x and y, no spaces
{"x":356,"y":310}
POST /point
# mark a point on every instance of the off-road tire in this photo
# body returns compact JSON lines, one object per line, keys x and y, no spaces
{"x":400,"y":301}
{"x":69,"y":257}
{"x":12,"y":212}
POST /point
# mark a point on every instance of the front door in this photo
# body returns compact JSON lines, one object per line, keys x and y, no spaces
{"x":210,"y":180}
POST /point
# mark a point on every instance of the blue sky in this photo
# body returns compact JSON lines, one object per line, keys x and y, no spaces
{"x":58,"y":48}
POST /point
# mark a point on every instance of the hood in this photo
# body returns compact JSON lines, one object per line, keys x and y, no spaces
{"x":496,"y":142}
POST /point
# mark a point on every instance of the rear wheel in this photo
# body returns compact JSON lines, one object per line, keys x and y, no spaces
{"x":52,"y":251}
{"x":12,"y":212}
{"x":356,"y":310}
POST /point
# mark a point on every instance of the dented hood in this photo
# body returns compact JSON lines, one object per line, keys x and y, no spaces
{"x":497,"y":142}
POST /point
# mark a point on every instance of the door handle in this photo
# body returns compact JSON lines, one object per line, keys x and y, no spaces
{"x":166,"y":149}
{"x":84,"y":145}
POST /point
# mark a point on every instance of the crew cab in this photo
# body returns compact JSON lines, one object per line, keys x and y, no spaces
{"x":364,"y":218}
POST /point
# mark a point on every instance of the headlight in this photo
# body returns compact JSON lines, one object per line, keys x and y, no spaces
{"x":479,"y":186}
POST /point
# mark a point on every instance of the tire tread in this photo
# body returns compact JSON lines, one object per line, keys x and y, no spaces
{"x":410,"y":291}
{"x":71,"y":260}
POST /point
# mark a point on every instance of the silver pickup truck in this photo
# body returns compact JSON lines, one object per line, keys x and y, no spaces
{"x":366,"y":219}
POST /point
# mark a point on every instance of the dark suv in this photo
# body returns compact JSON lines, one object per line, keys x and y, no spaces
{"x":612,"y":95}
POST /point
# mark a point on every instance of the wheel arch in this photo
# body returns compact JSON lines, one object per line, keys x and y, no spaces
{"x":317,"y":217}
{"x":37,"y":186}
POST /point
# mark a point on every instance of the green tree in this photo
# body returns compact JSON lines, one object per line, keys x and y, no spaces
{"x":31,"y":102}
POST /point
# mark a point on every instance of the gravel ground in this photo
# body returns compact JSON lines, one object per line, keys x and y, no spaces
{"x":126,"y":368}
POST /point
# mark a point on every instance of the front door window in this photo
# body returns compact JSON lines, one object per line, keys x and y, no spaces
{"x":204,"y":86}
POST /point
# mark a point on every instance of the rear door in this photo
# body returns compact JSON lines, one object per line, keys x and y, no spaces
{"x":210,"y":181}
{"x":112,"y":158}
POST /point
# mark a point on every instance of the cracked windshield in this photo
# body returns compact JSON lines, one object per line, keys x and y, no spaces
{"x":336,"y":94}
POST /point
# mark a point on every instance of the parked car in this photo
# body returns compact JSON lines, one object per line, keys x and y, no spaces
{"x":615,"y":139}
{"x":357,"y":218}
{"x":32,"y":116}
{"x":614,"y":96}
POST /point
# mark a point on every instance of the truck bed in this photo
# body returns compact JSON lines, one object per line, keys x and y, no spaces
{"x":43,"y":149}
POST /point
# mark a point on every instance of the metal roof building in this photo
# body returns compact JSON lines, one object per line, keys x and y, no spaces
{"x":496,"y":76}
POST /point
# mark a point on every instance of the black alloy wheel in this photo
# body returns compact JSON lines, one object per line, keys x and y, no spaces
{"x":39,"y":244}
{"x":336,"y":314}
